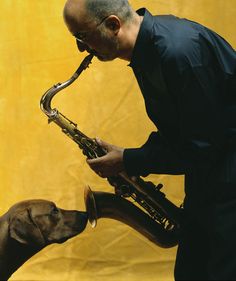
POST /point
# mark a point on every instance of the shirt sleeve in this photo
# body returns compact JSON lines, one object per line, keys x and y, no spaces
{"x":155,"y":156}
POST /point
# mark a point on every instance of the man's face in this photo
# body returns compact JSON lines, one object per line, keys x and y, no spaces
{"x":94,"y":37}
{"x":100,"y":41}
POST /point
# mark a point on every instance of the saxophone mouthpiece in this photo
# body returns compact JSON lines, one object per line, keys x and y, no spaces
{"x":85,"y":63}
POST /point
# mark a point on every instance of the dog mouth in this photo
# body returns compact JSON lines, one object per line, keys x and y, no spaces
{"x":63,"y":240}
{"x":79,"y":225}
{"x":81,"y":222}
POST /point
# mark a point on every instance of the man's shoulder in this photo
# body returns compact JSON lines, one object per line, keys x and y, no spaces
{"x":177,"y":40}
{"x":180,"y":31}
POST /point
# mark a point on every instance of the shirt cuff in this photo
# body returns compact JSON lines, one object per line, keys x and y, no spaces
{"x":135,"y":162}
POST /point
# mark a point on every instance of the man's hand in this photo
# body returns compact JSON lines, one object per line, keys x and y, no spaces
{"x":110,"y":164}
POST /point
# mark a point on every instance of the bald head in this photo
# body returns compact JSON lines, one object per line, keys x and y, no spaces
{"x":74,"y":10}
{"x":96,"y":10}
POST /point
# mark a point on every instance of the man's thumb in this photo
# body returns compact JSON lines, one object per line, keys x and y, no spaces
{"x":103,"y":144}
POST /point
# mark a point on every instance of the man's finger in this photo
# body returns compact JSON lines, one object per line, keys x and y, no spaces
{"x":95,"y":162}
{"x":103,"y":144}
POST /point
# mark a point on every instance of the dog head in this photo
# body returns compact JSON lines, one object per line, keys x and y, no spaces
{"x":40,"y":223}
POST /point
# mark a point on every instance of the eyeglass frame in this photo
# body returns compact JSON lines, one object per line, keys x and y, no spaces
{"x":81,"y":36}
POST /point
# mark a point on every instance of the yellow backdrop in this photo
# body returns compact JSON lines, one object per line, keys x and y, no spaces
{"x":38,"y":161}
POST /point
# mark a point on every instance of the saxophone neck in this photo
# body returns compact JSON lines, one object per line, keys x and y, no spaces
{"x":45,"y":102}
{"x":84,"y":64}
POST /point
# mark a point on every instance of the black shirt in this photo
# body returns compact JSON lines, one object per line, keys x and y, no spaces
{"x":187,"y":75}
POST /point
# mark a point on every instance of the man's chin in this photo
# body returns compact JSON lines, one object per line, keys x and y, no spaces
{"x":105,"y":57}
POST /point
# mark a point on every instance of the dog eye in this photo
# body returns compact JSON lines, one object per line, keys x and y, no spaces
{"x":54,"y":211}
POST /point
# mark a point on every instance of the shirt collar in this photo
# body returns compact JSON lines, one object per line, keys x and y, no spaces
{"x":142,"y":52}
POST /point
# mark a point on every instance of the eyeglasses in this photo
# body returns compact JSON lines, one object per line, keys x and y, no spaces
{"x":81,"y":36}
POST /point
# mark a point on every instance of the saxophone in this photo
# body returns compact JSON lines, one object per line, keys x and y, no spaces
{"x":150,"y":212}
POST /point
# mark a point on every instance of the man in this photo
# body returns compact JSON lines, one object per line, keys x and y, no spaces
{"x":187,"y":76}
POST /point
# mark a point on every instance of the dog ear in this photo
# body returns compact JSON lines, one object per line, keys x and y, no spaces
{"x":25,"y":231}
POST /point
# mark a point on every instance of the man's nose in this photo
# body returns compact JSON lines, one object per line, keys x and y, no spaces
{"x":82,"y":46}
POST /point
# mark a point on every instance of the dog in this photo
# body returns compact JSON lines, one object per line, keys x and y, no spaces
{"x":29,"y":226}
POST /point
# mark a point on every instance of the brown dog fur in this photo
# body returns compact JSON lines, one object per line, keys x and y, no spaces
{"x":29,"y":226}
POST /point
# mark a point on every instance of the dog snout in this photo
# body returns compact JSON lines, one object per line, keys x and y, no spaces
{"x":75,"y":219}
{"x":81,"y":217}
{"x":81,"y":220}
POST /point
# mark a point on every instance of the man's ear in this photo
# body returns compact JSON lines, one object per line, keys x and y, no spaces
{"x":113,"y":23}
{"x":25,"y":231}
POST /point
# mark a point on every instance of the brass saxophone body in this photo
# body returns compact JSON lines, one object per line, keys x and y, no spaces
{"x":161,"y":219}
{"x":107,"y":205}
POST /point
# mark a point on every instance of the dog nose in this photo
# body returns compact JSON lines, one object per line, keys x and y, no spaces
{"x":83,"y":214}
{"x":81,"y":219}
